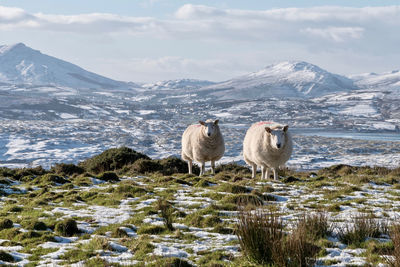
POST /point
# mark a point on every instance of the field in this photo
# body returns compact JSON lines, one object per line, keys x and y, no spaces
{"x":122,"y":208}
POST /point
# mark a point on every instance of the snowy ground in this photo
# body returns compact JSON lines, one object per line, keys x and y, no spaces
{"x":195,"y":238}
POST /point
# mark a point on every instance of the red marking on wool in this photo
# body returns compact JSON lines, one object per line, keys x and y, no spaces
{"x":265,"y":122}
{"x":196,"y":125}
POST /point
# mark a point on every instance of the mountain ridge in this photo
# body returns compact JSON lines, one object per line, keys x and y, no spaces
{"x":20,"y":64}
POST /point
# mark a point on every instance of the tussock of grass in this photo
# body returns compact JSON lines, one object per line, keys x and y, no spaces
{"x":5,"y":224}
{"x":243,"y":199}
{"x":65,"y":169}
{"x":141,"y":247}
{"x":232,"y":168}
{"x":362,"y":227}
{"x":112,"y":159}
{"x":119,"y":233}
{"x":151,"y":229}
{"x":166,"y":211}
{"x":67,"y":227}
{"x":233,"y":188}
{"x":394,"y":259}
{"x":263,"y":240}
{"x":170,"y":262}
{"x":4,"y":256}
{"x":108,"y":176}
{"x":50,"y":179}
{"x":260,"y":236}
{"x":316,"y":225}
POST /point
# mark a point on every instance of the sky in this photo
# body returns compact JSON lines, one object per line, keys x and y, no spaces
{"x":152,"y":40}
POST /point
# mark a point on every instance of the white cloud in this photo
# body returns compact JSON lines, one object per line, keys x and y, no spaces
{"x":339,"y":24}
{"x":336,"y":34}
{"x":219,"y":41}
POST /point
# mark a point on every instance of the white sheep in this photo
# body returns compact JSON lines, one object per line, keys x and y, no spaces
{"x":203,"y":142}
{"x":269,"y":145}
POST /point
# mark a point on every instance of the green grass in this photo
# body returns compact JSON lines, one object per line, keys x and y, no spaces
{"x":229,"y":191}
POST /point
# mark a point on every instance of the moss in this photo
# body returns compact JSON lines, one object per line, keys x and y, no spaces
{"x":5,"y":224}
{"x":67,"y":227}
{"x":50,"y":179}
{"x":212,"y":220}
{"x":37,"y":253}
{"x":128,"y":190}
{"x":41,"y":226}
{"x":7,"y":172}
{"x":82,"y":181}
{"x":233,"y":188}
{"x":223,"y":230}
{"x":4,"y":256}
{"x":119,"y":233}
{"x":9,"y":233}
{"x":243,"y":199}
{"x":334,"y":207}
{"x":141,"y":247}
{"x":172,"y":165}
{"x":232,"y":168}
{"x":203,"y":183}
{"x":290,"y":179}
{"x":170,"y":262}
{"x":13,"y":208}
{"x":29,"y":172}
{"x":108,"y":176}
{"x":97,"y":243}
{"x":76,"y":255}
{"x":151,"y":229}
{"x":112,"y":159}
{"x":144,"y":166}
{"x":65,"y":169}
{"x":96,"y":261}
{"x":214,"y":259}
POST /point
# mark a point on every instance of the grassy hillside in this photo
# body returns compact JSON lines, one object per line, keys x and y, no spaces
{"x":122,"y":208}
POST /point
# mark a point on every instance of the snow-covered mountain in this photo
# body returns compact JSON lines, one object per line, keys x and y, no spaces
{"x":178,"y":84}
{"x":20,"y":64}
{"x":386,"y":80}
{"x":285,"y":79}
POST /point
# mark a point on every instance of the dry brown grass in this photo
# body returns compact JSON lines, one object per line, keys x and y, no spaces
{"x":394,"y":259}
{"x":362,"y":226}
{"x":260,"y":235}
{"x":263,"y":240}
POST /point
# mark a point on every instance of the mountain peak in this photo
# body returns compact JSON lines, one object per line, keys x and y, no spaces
{"x":20,"y":64}
{"x":284,"y":79}
{"x":14,"y":47}
{"x":295,"y":66}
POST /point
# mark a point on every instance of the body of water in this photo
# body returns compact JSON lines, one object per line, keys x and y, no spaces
{"x":375,"y":136}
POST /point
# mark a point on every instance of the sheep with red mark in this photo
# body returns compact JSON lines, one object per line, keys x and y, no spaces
{"x":267,"y":145}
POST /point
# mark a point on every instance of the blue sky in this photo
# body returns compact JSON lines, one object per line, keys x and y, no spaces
{"x":147,"y":41}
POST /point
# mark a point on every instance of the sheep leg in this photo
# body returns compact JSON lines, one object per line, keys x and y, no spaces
{"x":275,"y":174}
{"x":254,"y":171}
{"x":213,"y":167}
{"x":190,"y":166}
{"x":203,"y":168}
{"x":263,"y":170}
{"x":267,"y":173}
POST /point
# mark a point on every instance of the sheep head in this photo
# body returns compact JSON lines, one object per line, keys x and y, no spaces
{"x":277,"y":136}
{"x":209,"y":127}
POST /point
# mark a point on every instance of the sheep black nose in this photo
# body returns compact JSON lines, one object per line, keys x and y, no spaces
{"x":278,"y":145}
{"x":208,"y":134}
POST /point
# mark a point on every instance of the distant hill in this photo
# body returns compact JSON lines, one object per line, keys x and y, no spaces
{"x":285,"y":79}
{"x":20,"y":64}
{"x":386,"y":80}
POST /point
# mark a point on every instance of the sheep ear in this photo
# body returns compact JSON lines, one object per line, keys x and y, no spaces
{"x":268,"y":129}
{"x":216,"y":122}
{"x":285,"y":128}
{"x":202,"y":122}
